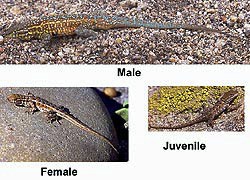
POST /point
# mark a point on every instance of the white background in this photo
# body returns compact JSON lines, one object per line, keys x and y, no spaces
{"x":227,"y":153}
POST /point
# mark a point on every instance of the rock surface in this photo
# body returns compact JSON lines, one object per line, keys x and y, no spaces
{"x":30,"y":138}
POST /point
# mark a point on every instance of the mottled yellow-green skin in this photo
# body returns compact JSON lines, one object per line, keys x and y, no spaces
{"x":184,"y":98}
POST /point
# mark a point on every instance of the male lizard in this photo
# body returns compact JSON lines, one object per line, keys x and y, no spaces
{"x":85,"y":25}
{"x":210,"y":114}
{"x":52,"y":112}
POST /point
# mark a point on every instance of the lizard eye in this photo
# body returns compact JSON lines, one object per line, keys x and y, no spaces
{"x":19,"y":103}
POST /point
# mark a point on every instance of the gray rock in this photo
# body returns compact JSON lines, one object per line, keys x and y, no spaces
{"x":29,"y":137}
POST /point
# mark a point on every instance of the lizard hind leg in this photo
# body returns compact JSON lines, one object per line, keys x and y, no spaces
{"x":31,"y":109}
{"x":210,"y":123}
{"x":210,"y":120}
{"x":45,"y":37}
{"x":84,"y":32}
{"x":62,"y":108}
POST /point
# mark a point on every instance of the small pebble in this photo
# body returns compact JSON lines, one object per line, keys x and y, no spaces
{"x":60,"y":54}
{"x":190,"y":58}
{"x":241,"y":17}
{"x":52,"y":56}
{"x":67,"y":50}
{"x":152,"y":55}
{"x":1,"y":39}
{"x":110,"y":92}
{"x":42,"y":60}
{"x":136,"y":57}
{"x":199,"y":54}
{"x":127,"y":37}
{"x":224,"y":19}
{"x":220,"y":43}
{"x":129,"y":3}
{"x":126,"y":60}
{"x":3,"y":56}
{"x":233,"y":18}
{"x":118,"y":40}
{"x":142,"y":5}
{"x":172,"y":60}
{"x":125,"y":52}
{"x":211,"y":10}
{"x":88,"y":51}
{"x":1,"y":49}
{"x":247,"y":30}
{"x":178,"y":14}
{"x":15,"y":10}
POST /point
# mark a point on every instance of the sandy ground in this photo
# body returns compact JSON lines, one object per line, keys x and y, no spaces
{"x":135,"y":46}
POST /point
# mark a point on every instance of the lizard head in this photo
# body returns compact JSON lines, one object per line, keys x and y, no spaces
{"x":229,"y":96}
{"x":18,"y":30}
{"x":17,"y":99}
{"x":22,"y":34}
{"x":12,"y":98}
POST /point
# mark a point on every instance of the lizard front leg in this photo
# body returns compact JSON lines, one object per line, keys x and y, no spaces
{"x":31,"y":105}
{"x":45,"y":38}
{"x":52,"y":116}
{"x":31,"y":108}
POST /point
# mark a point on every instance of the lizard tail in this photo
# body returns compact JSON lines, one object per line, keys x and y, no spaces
{"x":84,"y":127}
{"x":88,"y":129}
{"x":134,"y":23}
{"x":105,"y":139}
{"x":174,"y":127}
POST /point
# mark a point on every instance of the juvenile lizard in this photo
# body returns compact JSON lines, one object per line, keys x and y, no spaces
{"x":210,"y":114}
{"x":52,"y":112}
{"x":85,"y":25}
